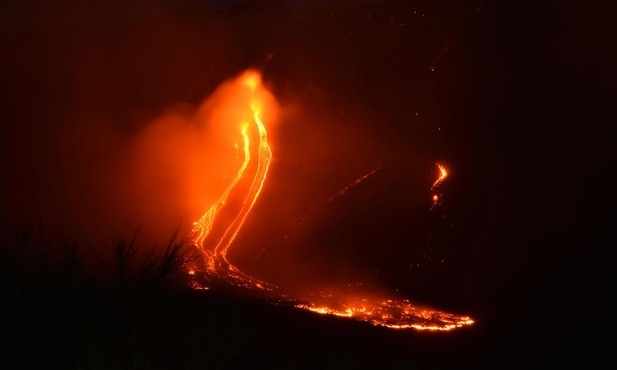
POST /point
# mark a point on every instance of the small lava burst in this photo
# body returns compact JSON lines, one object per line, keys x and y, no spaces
{"x":212,"y":235}
{"x":443,"y":174}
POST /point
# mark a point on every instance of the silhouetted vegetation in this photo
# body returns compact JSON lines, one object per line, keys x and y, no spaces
{"x":136,"y":266}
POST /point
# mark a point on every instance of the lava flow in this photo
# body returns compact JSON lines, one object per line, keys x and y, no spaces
{"x":213,"y":234}
{"x":215,"y":247}
{"x":443,"y":173}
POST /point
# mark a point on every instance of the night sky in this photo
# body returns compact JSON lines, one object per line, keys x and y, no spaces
{"x":512,"y":98}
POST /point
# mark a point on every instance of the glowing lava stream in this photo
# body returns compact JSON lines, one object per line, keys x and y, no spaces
{"x":443,"y":173}
{"x":213,"y":246}
{"x":216,"y":257}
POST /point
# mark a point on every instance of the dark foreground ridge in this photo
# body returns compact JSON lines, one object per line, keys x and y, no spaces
{"x":138,"y":315}
{"x":141,"y":314}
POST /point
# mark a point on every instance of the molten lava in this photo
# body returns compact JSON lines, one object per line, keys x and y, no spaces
{"x":215,"y":247}
{"x":216,"y":230}
{"x":443,"y":173}
{"x":394,"y":314}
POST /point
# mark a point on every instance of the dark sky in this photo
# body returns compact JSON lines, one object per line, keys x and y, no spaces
{"x":20,"y":16}
{"x":512,"y":97}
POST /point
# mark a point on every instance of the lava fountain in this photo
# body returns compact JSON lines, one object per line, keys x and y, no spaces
{"x":214,"y":232}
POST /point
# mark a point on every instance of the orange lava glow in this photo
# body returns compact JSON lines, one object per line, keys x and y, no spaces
{"x":215,"y":231}
{"x":443,"y":174}
{"x":394,"y":314}
{"x":246,"y":101}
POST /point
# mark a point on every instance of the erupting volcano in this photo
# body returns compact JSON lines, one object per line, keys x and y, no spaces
{"x":215,"y":231}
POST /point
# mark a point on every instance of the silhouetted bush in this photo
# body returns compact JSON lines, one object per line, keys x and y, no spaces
{"x":136,"y":266}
